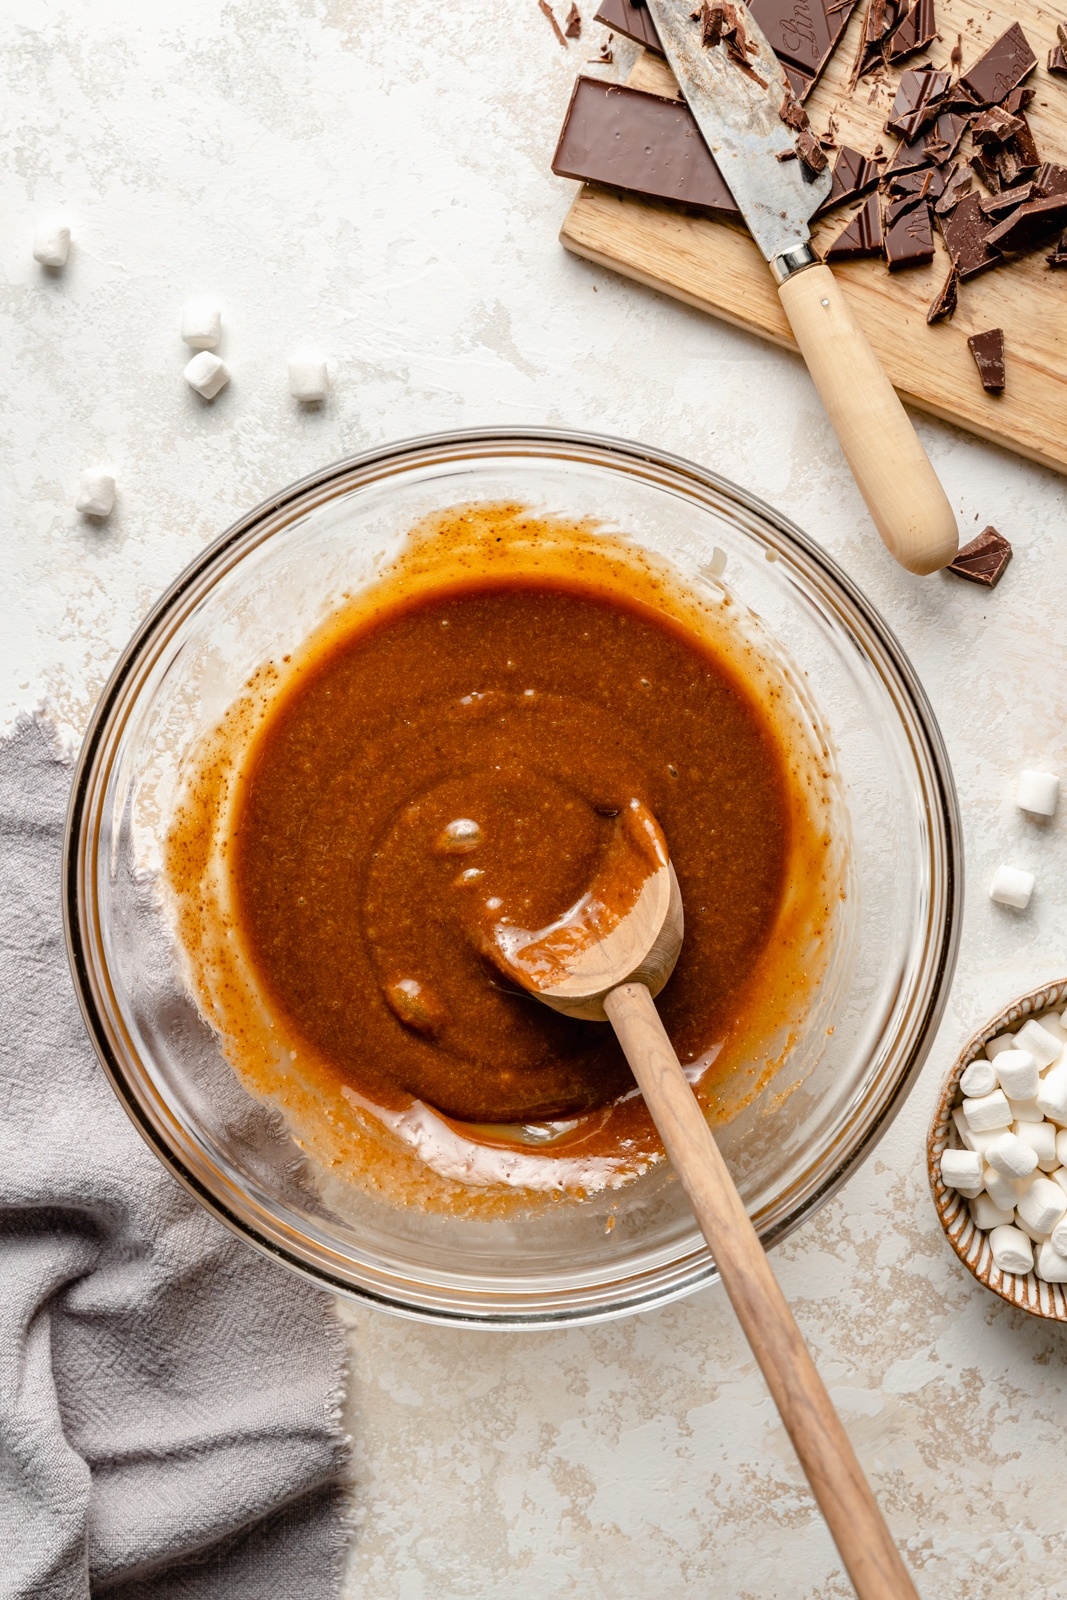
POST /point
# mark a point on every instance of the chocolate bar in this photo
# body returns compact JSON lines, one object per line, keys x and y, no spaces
{"x":1001,"y":69}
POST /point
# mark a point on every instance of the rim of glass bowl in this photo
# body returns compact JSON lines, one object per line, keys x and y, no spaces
{"x":153,"y":1118}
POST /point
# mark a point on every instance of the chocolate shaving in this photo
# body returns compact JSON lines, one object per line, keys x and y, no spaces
{"x":1029,"y":225}
{"x":862,"y":236}
{"x":1057,"y":61}
{"x":1058,"y":258}
{"x":943,"y":306}
{"x":1001,"y":69}
{"x":711,"y":23}
{"x":547,"y":11}
{"x":909,"y":238}
{"x":811,"y":152}
{"x":792,"y":112}
{"x":573,"y":25}
{"x":988,"y":352}
{"x":853,"y":174}
{"x":966,"y":235}
{"x":955,"y":59}
{"x":983,"y":560}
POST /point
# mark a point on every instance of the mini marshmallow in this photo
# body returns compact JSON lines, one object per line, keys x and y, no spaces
{"x":979,"y":1078}
{"x":207,"y":374}
{"x":1011,"y":1156}
{"x":97,"y":495}
{"x":1004,"y":1192}
{"x":1061,"y":1146}
{"x":962,"y":1170}
{"x":51,"y":244}
{"x":1006,"y":1041}
{"x":1026,"y":1111}
{"x":1041,"y":1137}
{"x":1052,"y":1095}
{"x":1038,"y":1042}
{"x":309,"y":380}
{"x":1053,"y":1024}
{"x":986,"y":1215}
{"x":1012,"y":886}
{"x":1060,"y":1177}
{"x":1017,"y":1074}
{"x":1012,"y":1250}
{"x":988,"y":1111}
{"x":1037,"y":792}
{"x":1042,"y":1206}
{"x":201,"y":324}
{"x":1058,"y":1237}
{"x":1051,"y":1266}
{"x":968,"y":1138}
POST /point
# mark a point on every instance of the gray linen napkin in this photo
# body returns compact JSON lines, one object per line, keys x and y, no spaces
{"x":169,"y":1400}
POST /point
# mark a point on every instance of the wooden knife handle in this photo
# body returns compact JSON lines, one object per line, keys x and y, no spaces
{"x":902,"y":491}
{"x":836,"y":1477}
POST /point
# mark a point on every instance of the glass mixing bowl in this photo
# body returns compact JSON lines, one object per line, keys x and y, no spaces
{"x":262,"y":588}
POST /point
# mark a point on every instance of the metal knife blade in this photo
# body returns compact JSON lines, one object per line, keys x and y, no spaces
{"x":737,"y":111}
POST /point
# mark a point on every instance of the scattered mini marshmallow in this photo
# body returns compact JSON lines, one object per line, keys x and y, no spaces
{"x":969,"y":1139}
{"x":1004,"y":1192}
{"x":1052,"y":1095}
{"x":309,"y":380}
{"x":1038,"y":1042}
{"x":1038,"y":792}
{"x":1017,"y":1073}
{"x":1006,"y":1041}
{"x":51,"y":244}
{"x":988,"y":1111}
{"x":1012,"y":1250}
{"x":1051,"y":1267}
{"x":1058,"y":1236}
{"x":1041,"y":1137}
{"x":1011,"y":1156}
{"x":1012,"y":886}
{"x":962,"y":1170}
{"x":96,"y":497}
{"x":1042,"y":1206}
{"x":201,"y":324}
{"x":986,"y":1215}
{"x":979,"y":1078}
{"x":207,"y":374}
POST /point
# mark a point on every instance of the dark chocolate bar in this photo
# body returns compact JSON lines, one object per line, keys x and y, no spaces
{"x":633,"y":22}
{"x":988,"y":352}
{"x":1001,"y":69}
{"x":642,"y":143}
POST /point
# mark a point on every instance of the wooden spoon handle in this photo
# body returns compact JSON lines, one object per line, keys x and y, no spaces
{"x":836,"y":1477}
{"x":909,"y":507}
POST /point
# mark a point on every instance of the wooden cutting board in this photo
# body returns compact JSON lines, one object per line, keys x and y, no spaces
{"x":716,"y":267}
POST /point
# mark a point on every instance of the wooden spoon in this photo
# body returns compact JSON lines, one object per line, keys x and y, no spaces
{"x":606,"y":959}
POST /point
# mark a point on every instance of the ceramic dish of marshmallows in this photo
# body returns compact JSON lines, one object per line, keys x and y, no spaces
{"x":998,"y":1154}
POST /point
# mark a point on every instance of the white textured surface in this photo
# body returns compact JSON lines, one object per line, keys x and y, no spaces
{"x":356,"y":177}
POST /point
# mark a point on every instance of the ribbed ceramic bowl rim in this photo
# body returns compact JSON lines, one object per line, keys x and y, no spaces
{"x":971,"y":1244}
{"x":82,"y":924}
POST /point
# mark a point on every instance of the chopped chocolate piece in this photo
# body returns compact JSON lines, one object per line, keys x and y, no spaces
{"x":803,"y":32}
{"x":1030,"y":225}
{"x":925,"y":183}
{"x":811,"y":151}
{"x":998,"y":204}
{"x":995,"y":126}
{"x":987,"y":171}
{"x":1001,"y":69}
{"x":879,"y":20}
{"x":632,"y":21}
{"x":916,"y":101}
{"x":641,"y":143}
{"x":854,"y":174}
{"x":792,"y":112}
{"x":712,"y":18}
{"x":946,"y":300}
{"x":785,"y":155}
{"x":862,"y":237}
{"x":916,"y":29}
{"x":1057,"y":61}
{"x":1017,"y":101}
{"x":983,"y":560}
{"x":801,"y":83}
{"x":933,"y":145}
{"x":988,"y":352}
{"x":1058,"y":258}
{"x":909,"y":238}
{"x":1019,"y":159}
{"x":547,"y":11}
{"x":606,"y":56}
{"x":1050,"y":178}
{"x":966,"y":235}
{"x":573,"y":25}
{"x":957,"y":184}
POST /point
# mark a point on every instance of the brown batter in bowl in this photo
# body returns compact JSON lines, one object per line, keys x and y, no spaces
{"x":461,"y":740}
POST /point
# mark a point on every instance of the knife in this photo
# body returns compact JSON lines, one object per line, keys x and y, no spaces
{"x":737,"y":108}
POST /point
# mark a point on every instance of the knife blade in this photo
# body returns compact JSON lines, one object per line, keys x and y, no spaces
{"x":738,"y":110}
{"x":736,"y":101}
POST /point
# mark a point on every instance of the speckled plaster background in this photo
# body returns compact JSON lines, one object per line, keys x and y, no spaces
{"x":375,"y":178}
